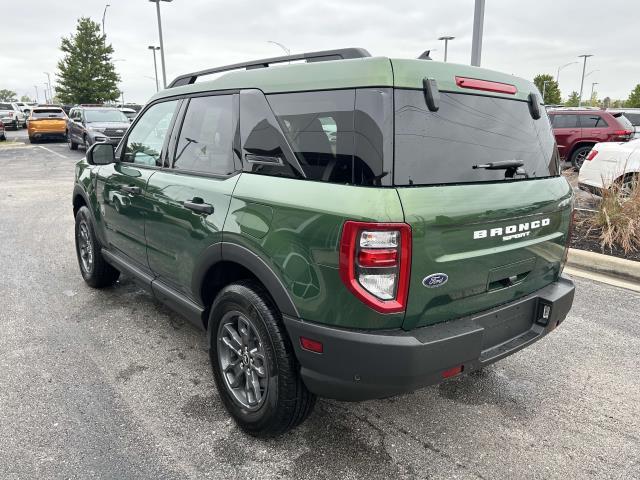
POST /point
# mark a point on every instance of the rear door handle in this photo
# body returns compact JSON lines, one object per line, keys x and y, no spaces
{"x":199,"y":206}
{"x":131,"y":189}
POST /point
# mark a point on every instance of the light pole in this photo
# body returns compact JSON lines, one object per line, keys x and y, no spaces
{"x":592,"y":85}
{"x":544,"y":89}
{"x":103,"y":15}
{"x":584,"y":67}
{"x":37,"y":98}
{"x":155,"y":64}
{"x":478,"y":26}
{"x":286,"y":50}
{"x":592,"y":71}
{"x":47,"y":99}
{"x":164,"y":70}
{"x":446,"y":44}
{"x":560,"y":68}
{"x":49,"y":82}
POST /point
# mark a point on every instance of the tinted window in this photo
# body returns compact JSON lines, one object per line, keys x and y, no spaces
{"x":146,"y":137}
{"x":339,"y":136}
{"x":50,"y":113}
{"x":265,"y":149}
{"x":592,"y":121}
{"x":443,"y":147}
{"x":564,"y":121}
{"x":206,"y":137}
{"x":5,"y":106}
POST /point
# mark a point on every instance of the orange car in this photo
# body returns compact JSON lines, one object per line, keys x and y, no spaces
{"x":46,"y":122}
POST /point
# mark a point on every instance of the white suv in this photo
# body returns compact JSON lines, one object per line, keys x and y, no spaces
{"x":12,"y":116}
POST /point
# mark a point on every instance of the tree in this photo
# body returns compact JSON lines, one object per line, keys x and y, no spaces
{"x":551,"y":90}
{"x":634,"y":97}
{"x":593,"y":101}
{"x":573,"y":100}
{"x":86,"y":73}
{"x":7,"y":95}
{"x":25,"y":98}
{"x":617,"y":104}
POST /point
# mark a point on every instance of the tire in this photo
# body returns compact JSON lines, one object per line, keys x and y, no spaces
{"x":3,"y":138}
{"x":97,"y":273}
{"x":578,"y":156}
{"x":32,"y":140}
{"x":86,"y":143}
{"x":246,"y":307}
{"x":72,"y":145}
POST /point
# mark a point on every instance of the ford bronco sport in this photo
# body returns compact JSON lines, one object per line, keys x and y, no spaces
{"x":346,"y":226}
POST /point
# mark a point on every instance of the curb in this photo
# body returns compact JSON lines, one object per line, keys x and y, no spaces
{"x":604,"y":264}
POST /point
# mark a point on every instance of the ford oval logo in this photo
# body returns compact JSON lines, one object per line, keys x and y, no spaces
{"x":435,"y":280}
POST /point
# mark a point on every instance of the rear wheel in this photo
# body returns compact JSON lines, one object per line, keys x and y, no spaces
{"x":93,"y":267}
{"x":253,"y":362}
{"x":578,"y":156}
{"x":86,"y":143}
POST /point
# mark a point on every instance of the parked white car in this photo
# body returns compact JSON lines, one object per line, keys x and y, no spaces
{"x":610,"y":162}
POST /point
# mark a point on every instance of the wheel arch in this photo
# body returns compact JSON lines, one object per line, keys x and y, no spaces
{"x":224,"y":263}
{"x":577,"y":145}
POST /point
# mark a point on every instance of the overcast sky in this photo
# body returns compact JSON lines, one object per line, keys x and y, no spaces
{"x":520,"y":37}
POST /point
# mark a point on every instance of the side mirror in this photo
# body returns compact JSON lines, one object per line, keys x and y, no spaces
{"x":101,"y":154}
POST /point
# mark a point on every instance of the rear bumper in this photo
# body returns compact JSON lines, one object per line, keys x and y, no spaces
{"x":357,"y":365}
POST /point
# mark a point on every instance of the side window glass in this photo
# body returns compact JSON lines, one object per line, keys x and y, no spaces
{"x":206,"y":137}
{"x":264,"y":147}
{"x":592,"y":121}
{"x":146,"y":138}
{"x":565,"y":121}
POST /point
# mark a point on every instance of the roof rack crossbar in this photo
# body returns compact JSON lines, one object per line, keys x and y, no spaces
{"x":321,"y":56}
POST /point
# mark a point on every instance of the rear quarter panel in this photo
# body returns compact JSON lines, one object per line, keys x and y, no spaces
{"x":295,"y":227}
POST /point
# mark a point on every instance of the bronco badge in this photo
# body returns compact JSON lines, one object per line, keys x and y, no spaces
{"x":435,"y":280}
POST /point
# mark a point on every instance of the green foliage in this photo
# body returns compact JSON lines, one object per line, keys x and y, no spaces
{"x":593,"y":101}
{"x":634,"y":98}
{"x":25,"y":98}
{"x":573,"y":100}
{"x":7,"y":95}
{"x":86,"y":73}
{"x":551,"y":90}
{"x":617,"y":104}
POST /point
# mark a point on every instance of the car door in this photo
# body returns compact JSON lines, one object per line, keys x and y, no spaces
{"x":121,"y":186}
{"x":566,"y":130}
{"x":594,"y":128}
{"x":190,"y":198}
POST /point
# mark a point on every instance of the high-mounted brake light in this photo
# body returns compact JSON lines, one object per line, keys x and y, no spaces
{"x":485,"y":85}
{"x":375,"y":261}
{"x":592,"y":155}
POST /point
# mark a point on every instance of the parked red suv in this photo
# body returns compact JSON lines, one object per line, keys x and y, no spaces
{"x":577,"y":130}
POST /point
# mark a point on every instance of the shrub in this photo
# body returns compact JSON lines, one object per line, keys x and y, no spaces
{"x":617,"y":216}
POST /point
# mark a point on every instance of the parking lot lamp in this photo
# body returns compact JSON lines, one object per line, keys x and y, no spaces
{"x":544,"y":89}
{"x":446,"y":44}
{"x":37,"y":98}
{"x":592,"y":85}
{"x":584,"y":67}
{"x":164,"y":70}
{"x":103,"y":15}
{"x":560,"y":68}
{"x":49,"y":82}
{"x":155,"y":64}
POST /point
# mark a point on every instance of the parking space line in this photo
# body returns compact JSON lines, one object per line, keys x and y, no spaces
{"x":51,"y":151}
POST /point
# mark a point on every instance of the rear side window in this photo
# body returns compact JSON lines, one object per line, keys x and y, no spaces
{"x":565,"y":121}
{"x":592,"y":121}
{"x":442,"y":147}
{"x":206,"y":138}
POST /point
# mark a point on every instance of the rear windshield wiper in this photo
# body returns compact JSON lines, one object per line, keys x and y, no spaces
{"x":512,"y":167}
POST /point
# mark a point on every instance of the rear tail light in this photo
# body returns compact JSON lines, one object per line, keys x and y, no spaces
{"x":592,"y":155}
{"x":10,"y":114}
{"x":452,"y":372}
{"x":375,"y":261}
{"x":623,"y":134}
{"x":477,"y":84}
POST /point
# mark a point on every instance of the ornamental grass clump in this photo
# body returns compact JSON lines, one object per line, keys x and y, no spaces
{"x":617,"y":216}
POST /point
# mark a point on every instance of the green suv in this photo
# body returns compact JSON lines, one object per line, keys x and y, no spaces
{"x":342,"y":226}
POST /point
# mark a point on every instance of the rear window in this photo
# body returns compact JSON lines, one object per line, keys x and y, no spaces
{"x":41,"y":113}
{"x":442,"y":147}
{"x":5,"y":106}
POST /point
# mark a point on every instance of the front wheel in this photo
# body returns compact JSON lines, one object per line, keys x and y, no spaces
{"x":254,"y":366}
{"x":72,"y":145}
{"x":579,"y":155}
{"x":93,"y":267}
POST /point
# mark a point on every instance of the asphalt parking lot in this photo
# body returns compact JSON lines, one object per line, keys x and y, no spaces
{"x":111,"y":384}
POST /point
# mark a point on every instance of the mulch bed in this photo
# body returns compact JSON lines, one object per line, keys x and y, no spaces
{"x":589,"y":241}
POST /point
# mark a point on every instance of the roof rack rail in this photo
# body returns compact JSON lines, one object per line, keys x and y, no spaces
{"x":321,"y":56}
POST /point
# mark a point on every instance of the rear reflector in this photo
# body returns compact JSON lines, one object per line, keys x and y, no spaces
{"x":311,"y":345}
{"x":485,"y":85}
{"x":592,"y":155}
{"x":382,"y":257}
{"x":452,"y":372}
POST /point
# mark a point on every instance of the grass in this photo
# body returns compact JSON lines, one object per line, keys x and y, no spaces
{"x":616,"y":220}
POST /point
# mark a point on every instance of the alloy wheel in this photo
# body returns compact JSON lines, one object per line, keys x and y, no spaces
{"x":242,"y":360}
{"x":85,"y":247}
